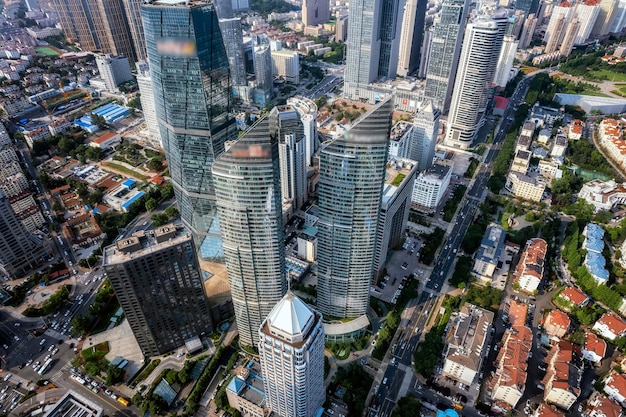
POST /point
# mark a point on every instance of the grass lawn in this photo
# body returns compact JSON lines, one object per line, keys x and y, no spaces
{"x":594,"y":93}
{"x":96,"y":351}
{"x":44,"y":50}
{"x":621,"y":90}
{"x":122,"y":168}
{"x":609,"y":75}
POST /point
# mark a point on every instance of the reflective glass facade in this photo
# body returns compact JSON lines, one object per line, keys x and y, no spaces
{"x":352,"y":173}
{"x":247,"y":187}
{"x":192,"y":93}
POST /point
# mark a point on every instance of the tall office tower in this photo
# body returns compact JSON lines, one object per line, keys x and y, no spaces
{"x":570,"y":36}
{"x":98,"y":25}
{"x":587,"y":14}
{"x":341,"y":28}
{"x":505,"y":61}
{"x":411,"y":37}
{"x":374,"y":33}
{"x":516,"y":24}
{"x":315,"y":12}
{"x":20,"y":252}
{"x":425,"y":52}
{"x":144,"y":82}
{"x":527,"y":31}
{"x":618,"y":20}
{"x":247,"y":187}
{"x":544,"y":11}
{"x":263,"y":74}
{"x":132,"y":9}
{"x":559,"y":18}
{"x":291,"y":352}
{"x":192,"y":94}
{"x":445,"y":49}
{"x":481,"y":48}
{"x":285,"y":123}
{"x":114,"y":70}
{"x":233,"y":40}
{"x":224,"y":9}
{"x":424,"y":136}
{"x":605,"y":15}
{"x":307,"y":110}
{"x":156,"y":279}
{"x":240,"y":5}
{"x":527,"y":6}
{"x":352,"y":173}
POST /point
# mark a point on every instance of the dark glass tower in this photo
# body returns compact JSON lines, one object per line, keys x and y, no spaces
{"x":156,"y":278}
{"x":192,"y":94}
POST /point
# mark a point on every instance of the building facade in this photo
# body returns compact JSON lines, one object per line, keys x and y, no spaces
{"x":144,"y":82}
{"x":291,"y":352}
{"x":192,"y":94}
{"x":156,"y":279}
{"x":286,"y":64}
{"x":315,"y":12}
{"x":114,"y":70}
{"x":352,"y":172}
{"x":411,"y":37}
{"x":247,"y":187}
{"x":133,"y":16}
{"x":431,"y":185}
{"x":424,"y":136}
{"x":233,"y":41}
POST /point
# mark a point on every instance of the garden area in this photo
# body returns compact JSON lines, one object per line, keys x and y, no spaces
{"x":357,"y":383}
{"x":51,"y":305}
{"x":591,"y":67}
{"x":342,"y":111}
{"x":432,"y":241}
{"x":93,"y":363}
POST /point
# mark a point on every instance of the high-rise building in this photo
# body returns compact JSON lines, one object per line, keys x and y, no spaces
{"x":144,"y":82}
{"x":561,"y":15}
{"x":233,"y":40}
{"x":114,"y":70}
{"x":315,"y":12}
{"x":132,"y":9}
{"x":479,"y":55}
{"x":97,"y":25}
{"x":425,"y":52}
{"x":352,"y":173}
{"x":285,"y":123}
{"x":527,"y":6}
{"x":341,"y":28}
{"x":424,"y":136}
{"x":286,"y":64}
{"x":505,"y":61}
{"x":587,"y":13}
{"x":247,"y":187}
{"x":444,"y":53}
{"x":193,"y":98}
{"x":307,"y":109}
{"x":570,"y":36}
{"x":528,"y":30}
{"x":263,"y":74}
{"x":605,"y":15}
{"x":411,"y":37}
{"x":240,"y":5}
{"x":291,"y":352}
{"x":156,"y":279}
{"x":618,"y":19}
{"x":374,"y":35}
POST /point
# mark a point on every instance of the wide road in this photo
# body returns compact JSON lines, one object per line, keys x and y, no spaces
{"x":387,"y":394}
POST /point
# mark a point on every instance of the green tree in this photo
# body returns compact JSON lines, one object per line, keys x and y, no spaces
{"x":151,"y":204}
{"x":167,"y":190}
{"x":99,"y":121}
{"x":155,"y":165}
{"x":408,"y":406}
{"x":159,"y":219}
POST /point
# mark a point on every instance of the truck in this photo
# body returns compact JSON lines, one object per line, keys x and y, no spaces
{"x":123,"y":401}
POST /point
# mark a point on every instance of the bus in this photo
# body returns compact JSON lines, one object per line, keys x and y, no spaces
{"x":123,"y":401}
{"x":45,"y":367}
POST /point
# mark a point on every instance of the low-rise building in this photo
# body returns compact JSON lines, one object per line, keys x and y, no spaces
{"x":550,"y":170}
{"x":615,"y":387}
{"x":73,"y":404}
{"x":603,"y":195}
{"x":602,"y":406}
{"x":59,"y":126}
{"x":431,"y":185}
{"x":467,"y":339}
{"x":594,"y":349}
{"x":528,"y":128}
{"x":574,"y":297}
{"x":521,"y":161}
{"x":245,"y":392}
{"x":523,"y":143}
{"x":400,"y":140}
{"x":610,"y":326}
{"x":544,"y":136}
{"x":106,"y":141}
{"x":575,"y":131}
{"x":564,"y":371}
{"x":529,"y":270}
{"x":559,"y":146}
{"x":556,"y":323}
{"x":546,"y":410}
{"x":525,"y":187}
{"x":610,"y":135}
{"x":488,"y":254}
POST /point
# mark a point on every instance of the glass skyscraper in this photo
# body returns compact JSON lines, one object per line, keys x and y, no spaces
{"x":352,"y":173}
{"x":444,"y":52}
{"x":192,"y":93}
{"x":247,"y":186}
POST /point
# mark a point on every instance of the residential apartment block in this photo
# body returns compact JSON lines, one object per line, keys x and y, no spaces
{"x":563,"y":375}
{"x":488,"y":254}
{"x":530,"y":268}
{"x":430,"y":186}
{"x":525,"y":187}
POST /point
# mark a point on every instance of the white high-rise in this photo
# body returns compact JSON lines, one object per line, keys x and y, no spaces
{"x":291,"y":352}
{"x":474,"y":78}
{"x":144,"y":82}
{"x":424,"y":136}
{"x":308,"y":114}
{"x":505,"y":61}
{"x":587,"y":13}
{"x":618,"y":20}
{"x":559,"y":19}
{"x":411,"y":37}
{"x":528,"y":30}
{"x":605,"y":16}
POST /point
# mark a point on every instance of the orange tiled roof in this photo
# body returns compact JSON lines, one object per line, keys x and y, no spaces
{"x":104,"y":138}
{"x":558,"y":318}
{"x":613,"y":322}
{"x":532,"y":259}
{"x":606,"y":407}
{"x":574,"y":296}
{"x":546,"y":410}
{"x":517,"y":313}
{"x":617,"y":381}
{"x":594,"y":344}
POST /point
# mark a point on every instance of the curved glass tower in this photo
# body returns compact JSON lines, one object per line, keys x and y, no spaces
{"x":247,"y":186}
{"x":192,"y":94}
{"x":352,"y":174}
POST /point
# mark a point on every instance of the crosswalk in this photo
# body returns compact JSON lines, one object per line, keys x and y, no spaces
{"x":58,"y":377}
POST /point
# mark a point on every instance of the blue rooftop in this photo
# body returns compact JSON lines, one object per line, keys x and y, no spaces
{"x":130,"y":201}
{"x":129,"y":183}
{"x":235,"y":385}
{"x":112,"y":113}
{"x":492,"y":244}
{"x":448,"y":413}
{"x":596,"y":263}
{"x":594,"y":238}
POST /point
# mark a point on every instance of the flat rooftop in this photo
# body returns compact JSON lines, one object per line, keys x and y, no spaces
{"x":395,"y":174}
{"x":73,"y":404}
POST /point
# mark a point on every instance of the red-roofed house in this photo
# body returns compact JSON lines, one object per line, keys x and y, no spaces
{"x":106,"y":141}
{"x":574,"y":296}
{"x":615,"y":387}
{"x":556,"y":323}
{"x":500,"y":105}
{"x":603,"y":407}
{"x":529,"y":270}
{"x":562,"y":378}
{"x":545,"y":410}
{"x":594,"y":349}
{"x":610,"y":326}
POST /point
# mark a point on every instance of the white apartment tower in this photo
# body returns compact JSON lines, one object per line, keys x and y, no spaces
{"x":114,"y":70}
{"x":424,"y":136}
{"x":505,"y":61}
{"x":528,"y":30}
{"x":144,"y":82}
{"x":570,"y":36}
{"x":479,"y":55}
{"x":605,"y":16}
{"x":291,"y":352}
{"x":587,"y":13}
{"x":559,"y":18}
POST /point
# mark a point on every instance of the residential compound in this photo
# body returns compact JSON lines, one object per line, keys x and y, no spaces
{"x":556,"y":324}
{"x":603,"y":195}
{"x":610,"y":326}
{"x":530,"y":268}
{"x":594,"y":260}
{"x":467,"y":339}
{"x":611,"y":138}
{"x":563,"y":375}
